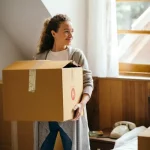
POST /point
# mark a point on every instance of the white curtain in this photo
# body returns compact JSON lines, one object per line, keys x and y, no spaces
{"x":102,"y":44}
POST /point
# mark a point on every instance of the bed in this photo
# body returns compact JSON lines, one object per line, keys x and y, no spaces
{"x":129,"y":141}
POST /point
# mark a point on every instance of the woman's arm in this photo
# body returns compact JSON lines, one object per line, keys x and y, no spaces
{"x":80,"y":59}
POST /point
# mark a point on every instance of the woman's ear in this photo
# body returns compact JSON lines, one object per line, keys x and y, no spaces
{"x":53,"y":33}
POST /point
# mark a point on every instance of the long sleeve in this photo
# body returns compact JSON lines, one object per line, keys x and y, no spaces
{"x":80,"y":59}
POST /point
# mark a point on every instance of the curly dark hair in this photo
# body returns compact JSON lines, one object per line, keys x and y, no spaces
{"x":46,"y":39}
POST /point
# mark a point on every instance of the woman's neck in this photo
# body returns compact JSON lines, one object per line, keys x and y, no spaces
{"x":59,"y":48}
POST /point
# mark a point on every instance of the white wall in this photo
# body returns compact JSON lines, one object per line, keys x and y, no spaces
{"x":8,"y":51}
{"x":23,"y":21}
{"x":76,"y":10}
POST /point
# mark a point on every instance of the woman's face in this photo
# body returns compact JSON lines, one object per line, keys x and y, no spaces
{"x":64,"y":35}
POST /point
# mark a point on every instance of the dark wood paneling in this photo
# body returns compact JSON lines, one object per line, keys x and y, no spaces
{"x":119,"y":99}
{"x":104,"y":103}
{"x":128,"y":101}
{"x":116,"y":101}
{"x":110,"y":97}
{"x":102,"y":144}
{"x":148,"y":88}
{"x":93,"y":107}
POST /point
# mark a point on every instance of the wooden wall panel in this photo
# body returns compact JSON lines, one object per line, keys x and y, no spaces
{"x":128,"y":100}
{"x":120,"y":99}
{"x":93,"y":107}
{"x":116,"y":101}
{"x":110,"y":97}
{"x":148,"y":88}
{"x":140,"y":102}
{"x":134,"y":101}
{"x":148,"y":112}
{"x":104,"y":103}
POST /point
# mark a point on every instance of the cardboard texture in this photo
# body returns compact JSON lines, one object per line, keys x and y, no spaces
{"x":41,"y":90}
{"x":5,"y":127}
{"x":25,"y":135}
{"x":144,"y":140}
{"x":24,"y":132}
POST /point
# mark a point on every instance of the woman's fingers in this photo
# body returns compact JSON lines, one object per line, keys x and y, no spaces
{"x":77,"y":112}
{"x":77,"y":106}
{"x":77,"y":116}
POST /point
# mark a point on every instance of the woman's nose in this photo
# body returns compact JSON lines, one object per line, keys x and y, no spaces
{"x":70,"y":34}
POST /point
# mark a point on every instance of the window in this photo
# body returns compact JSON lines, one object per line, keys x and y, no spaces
{"x":133,"y":21}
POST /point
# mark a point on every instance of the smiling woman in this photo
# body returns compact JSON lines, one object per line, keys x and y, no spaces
{"x":56,"y":30}
{"x":63,"y":36}
{"x":55,"y":44}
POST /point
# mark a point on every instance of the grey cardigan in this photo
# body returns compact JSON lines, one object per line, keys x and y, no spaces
{"x":76,"y":130}
{"x":77,"y":56}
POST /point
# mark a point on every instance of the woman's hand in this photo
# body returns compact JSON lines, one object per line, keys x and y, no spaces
{"x":79,"y":108}
{"x":78,"y":111}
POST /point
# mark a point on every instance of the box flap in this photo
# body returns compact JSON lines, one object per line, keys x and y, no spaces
{"x":40,"y":64}
{"x":71,"y":64}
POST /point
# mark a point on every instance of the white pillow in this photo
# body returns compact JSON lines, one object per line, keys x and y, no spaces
{"x":129,"y":136}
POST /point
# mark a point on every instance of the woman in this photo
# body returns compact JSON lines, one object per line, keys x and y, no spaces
{"x":55,"y":44}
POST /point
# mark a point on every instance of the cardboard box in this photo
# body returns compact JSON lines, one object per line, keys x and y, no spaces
{"x":5,"y":127}
{"x":41,"y":90}
{"x":25,"y":133}
{"x":144,"y":140}
{"x":23,"y":136}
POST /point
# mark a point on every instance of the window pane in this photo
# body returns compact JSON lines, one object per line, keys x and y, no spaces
{"x":135,"y":48}
{"x":133,"y":15}
{"x":120,"y":36}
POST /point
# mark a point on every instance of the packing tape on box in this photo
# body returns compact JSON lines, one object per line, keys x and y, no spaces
{"x":32,"y":80}
{"x":32,"y":76}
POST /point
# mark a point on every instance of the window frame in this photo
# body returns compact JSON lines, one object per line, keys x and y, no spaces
{"x":129,"y":68}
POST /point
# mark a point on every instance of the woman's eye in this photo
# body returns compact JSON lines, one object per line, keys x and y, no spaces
{"x":69,"y":32}
{"x":66,"y":31}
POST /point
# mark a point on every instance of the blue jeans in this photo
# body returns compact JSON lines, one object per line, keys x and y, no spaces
{"x":49,"y":142}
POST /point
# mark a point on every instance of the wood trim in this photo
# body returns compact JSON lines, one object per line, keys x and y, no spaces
{"x":125,"y":73}
{"x":134,"y":68}
{"x":133,"y":31}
